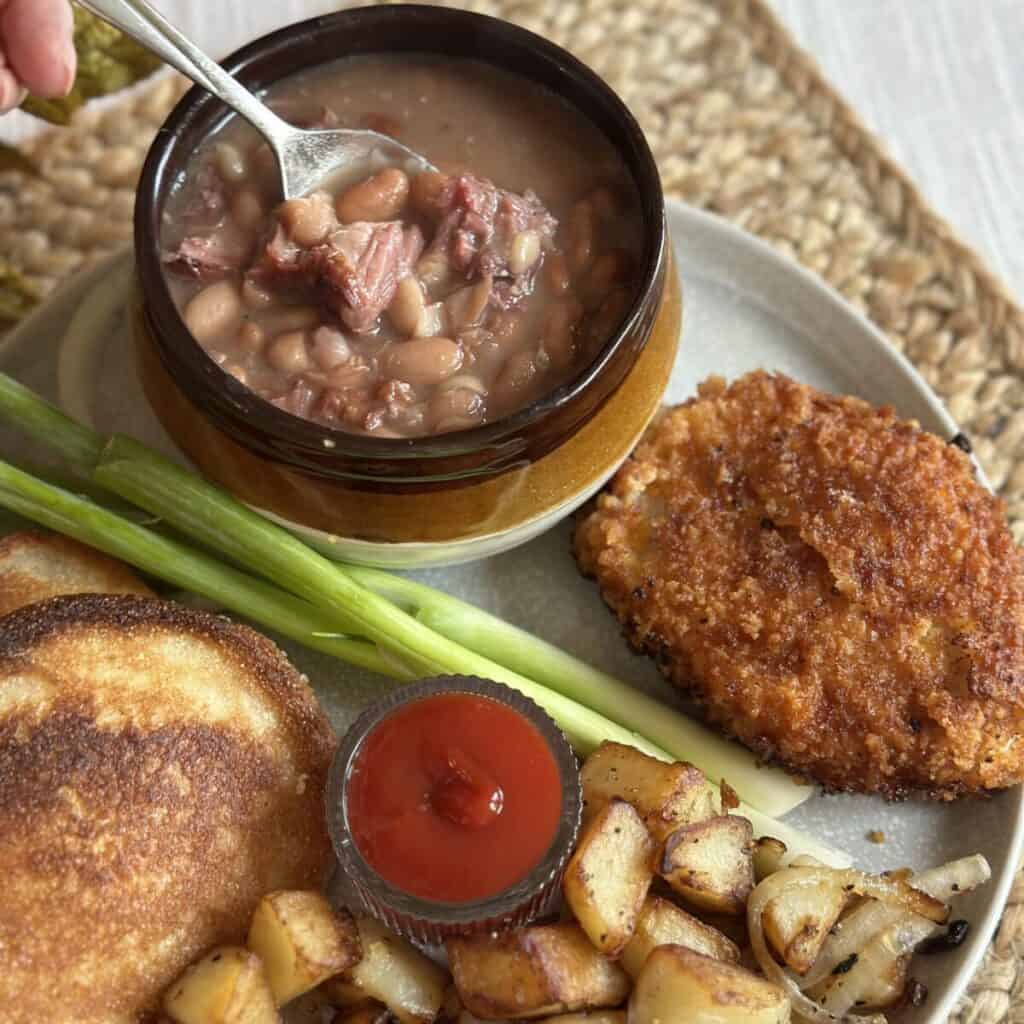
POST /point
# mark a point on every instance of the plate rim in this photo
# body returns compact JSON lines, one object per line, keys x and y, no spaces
{"x":703,"y":222}
{"x":692,"y":219}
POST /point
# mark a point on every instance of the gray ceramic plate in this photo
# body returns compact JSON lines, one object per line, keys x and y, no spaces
{"x":746,"y":307}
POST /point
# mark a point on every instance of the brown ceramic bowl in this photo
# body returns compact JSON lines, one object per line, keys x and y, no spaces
{"x":430,"y":500}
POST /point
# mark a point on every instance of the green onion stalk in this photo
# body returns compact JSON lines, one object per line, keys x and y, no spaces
{"x":353,"y":611}
{"x":189,"y":569}
{"x":487,"y":635}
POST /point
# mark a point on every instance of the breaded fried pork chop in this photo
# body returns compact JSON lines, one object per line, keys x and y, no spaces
{"x":160,"y":770}
{"x":830,"y":582}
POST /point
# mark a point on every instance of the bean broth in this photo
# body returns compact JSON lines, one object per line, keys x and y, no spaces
{"x":398,"y":304}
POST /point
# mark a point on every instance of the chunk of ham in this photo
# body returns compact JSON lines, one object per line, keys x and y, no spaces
{"x":357,"y":268}
{"x":207,"y":257}
{"x":478,"y":225}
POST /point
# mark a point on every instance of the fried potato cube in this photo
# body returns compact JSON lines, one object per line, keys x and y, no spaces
{"x":768,"y":854}
{"x":797,"y":924}
{"x":395,"y":973}
{"x":301,"y":940}
{"x":608,"y":876}
{"x":710,"y":864}
{"x":228,"y":986}
{"x":662,"y":923}
{"x":679,"y":986}
{"x":598,"y":1017}
{"x":535,"y":971}
{"x":665,"y":795}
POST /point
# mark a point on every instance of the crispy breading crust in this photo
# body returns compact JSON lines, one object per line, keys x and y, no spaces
{"x":831,"y":583}
{"x":160,"y":770}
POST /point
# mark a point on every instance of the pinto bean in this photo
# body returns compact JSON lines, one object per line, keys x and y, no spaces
{"x":251,"y":337}
{"x":432,"y":322}
{"x":424,"y":361}
{"x":556,"y":272}
{"x":425,"y":190}
{"x":581,"y":236}
{"x":353,"y":374}
{"x":255,"y":294}
{"x":469,"y":381}
{"x":560,"y":342}
{"x":407,"y":306}
{"x":379,"y":197}
{"x":459,"y":403}
{"x":292,"y":318}
{"x":466,"y":306}
{"x":506,"y":326}
{"x":247,"y":208}
{"x":609,"y":268}
{"x":524,"y":251}
{"x":231,"y":163}
{"x":214,"y":311}
{"x":330,"y":348}
{"x":516,"y":380}
{"x":289,"y":352}
{"x":308,"y":220}
{"x":604,"y":202}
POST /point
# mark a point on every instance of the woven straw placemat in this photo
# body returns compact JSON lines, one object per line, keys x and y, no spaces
{"x":742,"y":123}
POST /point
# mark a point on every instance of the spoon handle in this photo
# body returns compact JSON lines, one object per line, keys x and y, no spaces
{"x":147,"y":26}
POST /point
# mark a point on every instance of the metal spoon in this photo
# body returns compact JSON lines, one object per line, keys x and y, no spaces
{"x":306,"y":158}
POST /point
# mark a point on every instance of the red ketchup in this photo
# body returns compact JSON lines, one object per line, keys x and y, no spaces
{"x":454,"y":798}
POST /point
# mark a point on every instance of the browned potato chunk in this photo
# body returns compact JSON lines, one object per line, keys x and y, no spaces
{"x":768,"y":854}
{"x":662,"y":923}
{"x":301,"y":940}
{"x":395,"y":973}
{"x":665,"y":795}
{"x":797,"y":924}
{"x":710,"y":864}
{"x":227,"y":986}
{"x":609,"y":874}
{"x":679,"y":986}
{"x":534,"y":972}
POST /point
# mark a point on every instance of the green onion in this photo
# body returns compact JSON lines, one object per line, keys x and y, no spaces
{"x":448,"y":629}
{"x":260,"y":602}
{"x":769,"y":789}
{"x":388,"y":640}
{"x":174,"y":562}
{"x":46,"y":423}
{"x":214,"y":518}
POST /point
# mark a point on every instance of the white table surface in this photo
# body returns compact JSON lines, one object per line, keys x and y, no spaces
{"x":940,"y":81}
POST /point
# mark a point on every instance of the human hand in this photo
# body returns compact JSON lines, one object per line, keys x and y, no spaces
{"x":36,"y":50}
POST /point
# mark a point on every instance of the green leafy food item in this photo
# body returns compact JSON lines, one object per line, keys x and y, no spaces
{"x":108,"y":61}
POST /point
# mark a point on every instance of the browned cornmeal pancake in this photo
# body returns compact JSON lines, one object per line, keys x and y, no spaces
{"x":160,"y":770}
{"x":35,"y":566}
{"x":829,"y":582}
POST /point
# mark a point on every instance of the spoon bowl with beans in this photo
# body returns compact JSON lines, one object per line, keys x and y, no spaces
{"x":306,"y":158}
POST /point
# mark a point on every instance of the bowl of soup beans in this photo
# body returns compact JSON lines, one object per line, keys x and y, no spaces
{"x":408,"y":366}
